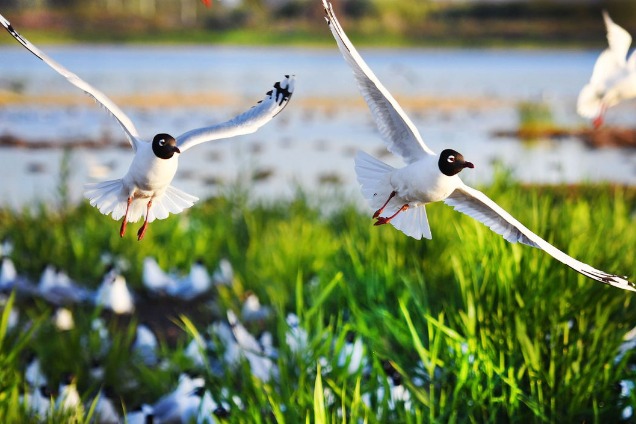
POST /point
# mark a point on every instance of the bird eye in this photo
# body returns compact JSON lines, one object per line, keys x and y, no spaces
{"x":451,"y":159}
{"x":162,"y":141}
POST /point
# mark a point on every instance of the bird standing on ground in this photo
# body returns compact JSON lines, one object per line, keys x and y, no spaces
{"x":428,"y":177}
{"x":613,"y":78}
{"x":145,"y":190}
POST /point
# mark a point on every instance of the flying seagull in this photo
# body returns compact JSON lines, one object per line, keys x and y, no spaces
{"x":428,"y":177}
{"x":145,"y":190}
{"x":613,"y":78}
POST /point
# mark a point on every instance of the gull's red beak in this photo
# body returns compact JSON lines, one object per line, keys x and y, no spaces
{"x":468,"y":165}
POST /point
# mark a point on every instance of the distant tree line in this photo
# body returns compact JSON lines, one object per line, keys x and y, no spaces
{"x":427,"y":21}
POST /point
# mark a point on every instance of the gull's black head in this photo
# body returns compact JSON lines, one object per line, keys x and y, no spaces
{"x":452,"y":162}
{"x":164,"y":146}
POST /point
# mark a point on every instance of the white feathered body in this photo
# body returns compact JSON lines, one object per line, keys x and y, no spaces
{"x":416,"y":184}
{"x":611,"y":83}
{"x":148,"y":178}
{"x":614,"y":76}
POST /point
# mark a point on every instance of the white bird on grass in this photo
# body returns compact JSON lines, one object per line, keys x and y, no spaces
{"x":38,"y":401}
{"x":613,"y":78}
{"x":196,"y":283}
{"x":68,"y":397}
{"x":57,"y":287}
{"x":33,"y":374}
{"x":169,"y":408}
{"x":113,"y":294}
{"x":8,"y":274}
{"x":145,"y":345}
{"x":429,"y":177}
{"x":145,"y":190}
{"x":144,"y":415}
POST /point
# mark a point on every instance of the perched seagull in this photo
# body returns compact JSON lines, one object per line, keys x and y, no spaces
{"x":145,"y":190}
{"x":56,"y":287}
{"x":170,"y":406}
{"x":352,"y":354}
{"x":196,"y":283}
{"x":145,"y":345}
{"x":38,"y":401}
{"x":113,"y":294}
{"x":429,"y":177}
{"x":63,"y":319}
{"x":224,"y":274}
{"x":251,"y":349}
{"x":8,"y":274}
{"x":155,"y":279}
{"x":33,"y":374}
{"x":105,"y":410}
{"x":252,"y":310}
{"x":144,"y":415}
{"x":295,"y":337}
{"x":613,"y":78}
{"x":68,"y":397}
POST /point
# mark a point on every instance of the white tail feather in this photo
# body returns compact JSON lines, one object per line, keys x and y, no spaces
{"x":111,"y":198}
{"x":374,"y":178}
{"x":589,"y":102}
{"x":413,"y":222}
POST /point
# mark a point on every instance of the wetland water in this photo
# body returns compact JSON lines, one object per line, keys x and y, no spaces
{"x":457,"y":98}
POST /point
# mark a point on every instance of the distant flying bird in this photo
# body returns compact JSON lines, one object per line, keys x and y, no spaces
{"x":613,"y":78}
{"x":428,"y":177}
{"x":145,"y":190}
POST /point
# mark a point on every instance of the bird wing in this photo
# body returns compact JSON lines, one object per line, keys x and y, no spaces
{"x":101,"y":98}
{"x":477,"y":205}
{"x":246,"y":123}
{"x":619,"y":40}
{"x":397,"y":130}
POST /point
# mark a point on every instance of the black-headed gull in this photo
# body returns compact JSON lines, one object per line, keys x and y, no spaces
{"x":145,"y":190}
{"x":613,"y":78}
{"x":429,"y":177}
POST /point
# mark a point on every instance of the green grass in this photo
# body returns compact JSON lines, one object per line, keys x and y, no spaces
{"x":479,"y":329}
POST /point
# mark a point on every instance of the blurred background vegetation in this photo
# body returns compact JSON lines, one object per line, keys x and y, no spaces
{"x":402,"y":22}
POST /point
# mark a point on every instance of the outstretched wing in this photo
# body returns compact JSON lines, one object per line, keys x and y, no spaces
{"x":397,"y":130}
{"x":246,"y":123}
{"x":618,"y":39}
{"x":477,"y":205}
{"x":124,"y":121}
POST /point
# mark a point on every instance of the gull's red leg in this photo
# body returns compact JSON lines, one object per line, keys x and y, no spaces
{"x":379,"y":211}
{"x":142,"y":231}
{"x":598,"y":121}
{"x":385,"y":220}
{"x":122,"y":230}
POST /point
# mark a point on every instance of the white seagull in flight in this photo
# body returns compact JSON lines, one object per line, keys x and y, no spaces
{"x":428,"y":177}
{"x":145,"y":189}
{"x":613,"y":78}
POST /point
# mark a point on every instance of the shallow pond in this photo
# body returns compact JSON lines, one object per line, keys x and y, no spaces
{"x":457,"y":98}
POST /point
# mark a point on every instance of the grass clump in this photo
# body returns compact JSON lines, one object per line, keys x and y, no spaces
{"x":462,"y":328}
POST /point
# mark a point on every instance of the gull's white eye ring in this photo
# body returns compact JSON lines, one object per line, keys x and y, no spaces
{"x":451,"y":159}
{"x":162,"y":141}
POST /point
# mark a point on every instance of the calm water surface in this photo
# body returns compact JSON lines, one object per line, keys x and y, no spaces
{"x":456,"y":98}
